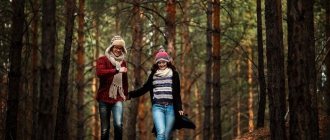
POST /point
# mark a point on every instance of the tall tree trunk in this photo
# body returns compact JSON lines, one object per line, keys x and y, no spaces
{"x":238,"y":102}
{"x":80,"y":71}
{"x":301,"y":71}
{"x":250,"y":91}
{"x":72,"y":106}
{"x":208,"y":75}
{"x":198,"y":113}
{"x":275,"y":67}
{"x":97,"y":9}
{"x":170,"y":27}
{"x":141,"y":117}
{"x":5,"y":18}
{"x":216,"y":108}
{"x":35,"y":67}
{"x":61,"y":127}
{"x":3,"y":105}
{"x":15,"y":73}
{"x":24,"y":96}
{"x":184,"y":63}
{"x":327,"y":58}
{"x":137,"y":53}
{"x":47,"y":73}
{"x":261,"y":73}
{"x":117,"y":21}
{"x":96,"y":127}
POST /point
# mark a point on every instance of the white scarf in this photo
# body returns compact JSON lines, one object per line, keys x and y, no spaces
{"x":164,"y":73}
{"x":117,"y":82}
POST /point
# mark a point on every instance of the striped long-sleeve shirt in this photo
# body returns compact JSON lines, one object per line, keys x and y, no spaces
{"x":162,"y":89}
{"x":148,"y":86}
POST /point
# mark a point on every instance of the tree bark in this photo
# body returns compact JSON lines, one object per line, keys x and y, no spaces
{"x":15,"y":74}
{"x":250,"y":91}
{"x":61,"y":127}
{"x":216,"y":108}
{"x":35,"y":67}
{"x":95,"y":84}
{"x":170,"y":27}
{"x":80,"y":71}
{"x":141,"y":117}
{"x":185,"y":64}
{"x":138,"y":33}
{"x":47,"y":73}
{"x":327,"y":58}
{"x":238,"y":90}
{"x":301,"y":71}
{"x":208,"y":75}
{"x":275,"y":67}
{"x":198,"y":113}
{"x":137,"y":37}
{"x":261,"y":73}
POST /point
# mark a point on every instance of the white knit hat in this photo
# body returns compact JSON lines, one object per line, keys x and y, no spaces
{"x":117,"y":40}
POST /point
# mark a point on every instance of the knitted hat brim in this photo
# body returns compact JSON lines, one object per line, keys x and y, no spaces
{"x":117,"y":43}
{"x":162,"y":59}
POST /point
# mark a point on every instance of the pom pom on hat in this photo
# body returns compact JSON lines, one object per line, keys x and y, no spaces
{"x":162,"y":55}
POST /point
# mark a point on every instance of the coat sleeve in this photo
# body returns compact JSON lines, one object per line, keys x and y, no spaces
{"x":147,"y":86}
{"x":125,"y":81}
{"x":177,"y":92}
{"x":102,"y":69}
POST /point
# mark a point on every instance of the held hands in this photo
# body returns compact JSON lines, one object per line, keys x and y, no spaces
{"x":127,"y":98}
{"x":181,"y":112}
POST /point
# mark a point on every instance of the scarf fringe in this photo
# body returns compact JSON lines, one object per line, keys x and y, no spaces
{"x":114,"y":90}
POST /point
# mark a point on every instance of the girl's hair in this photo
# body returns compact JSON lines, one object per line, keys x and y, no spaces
{"x":155,"y":66}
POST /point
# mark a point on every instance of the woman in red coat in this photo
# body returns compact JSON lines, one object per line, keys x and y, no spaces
{"x":112,"y":72}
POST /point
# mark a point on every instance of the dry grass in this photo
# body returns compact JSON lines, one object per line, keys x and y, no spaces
{"x":264,"y":134}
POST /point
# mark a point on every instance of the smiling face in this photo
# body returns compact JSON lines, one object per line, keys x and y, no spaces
{"x":162,"y":65}
{"x":117,"y":50}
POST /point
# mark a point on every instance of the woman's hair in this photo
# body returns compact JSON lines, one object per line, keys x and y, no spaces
{"x":155,"y":66}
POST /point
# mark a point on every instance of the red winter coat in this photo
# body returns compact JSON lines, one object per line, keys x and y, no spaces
{"x":106,"y":71}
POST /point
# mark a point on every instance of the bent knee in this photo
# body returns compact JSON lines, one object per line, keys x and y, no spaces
{"x":104,"y":131}
{"x":118,"y":124}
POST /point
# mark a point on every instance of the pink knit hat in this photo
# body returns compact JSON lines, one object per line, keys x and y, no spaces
{"x":162,"y":55}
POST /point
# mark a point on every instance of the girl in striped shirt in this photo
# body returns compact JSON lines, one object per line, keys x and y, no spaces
{"x":163,"y":85}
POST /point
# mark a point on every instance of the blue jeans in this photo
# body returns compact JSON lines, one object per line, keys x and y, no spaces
{"x":164,"y":118}
{"x":105,"y":110}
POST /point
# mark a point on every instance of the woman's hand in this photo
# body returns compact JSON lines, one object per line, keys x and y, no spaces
{"x":123,"y":69}
{"x":124,"y":98}
{"x":181,"y":112}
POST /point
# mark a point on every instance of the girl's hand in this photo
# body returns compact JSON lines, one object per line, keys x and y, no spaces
{"x":181,"y":112}
{"x":128,"y":97}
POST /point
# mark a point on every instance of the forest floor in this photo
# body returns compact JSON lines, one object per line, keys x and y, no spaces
{"x":264,"y":134}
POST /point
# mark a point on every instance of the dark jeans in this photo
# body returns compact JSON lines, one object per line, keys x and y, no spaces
{"x":105,"y":110}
